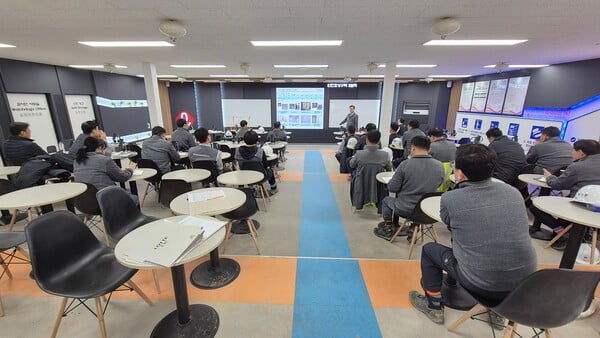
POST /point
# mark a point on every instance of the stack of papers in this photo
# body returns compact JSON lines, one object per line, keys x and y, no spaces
{"x":209,"y":201}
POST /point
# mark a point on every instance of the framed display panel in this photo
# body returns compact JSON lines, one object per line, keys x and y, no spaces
{"x":33,"y":109}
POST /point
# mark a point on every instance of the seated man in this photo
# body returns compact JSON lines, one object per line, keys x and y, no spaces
{"x":583,"y":171}
{"x":371,"y":153}
{"x":204,"y":151}
{"x":250,"y":152}
{"x":346,"y":149}
{"x":362,"y":140}
{"x":393,"y":132}
{"x":549,"y":152}
{"x":182,"y":137}
{"x":19,"y":147}
{"x":441,"y":149}
{"x":490,"y":252}
{"x":276,"y":134}
{"x":88,"y":128}
{"x":401,"y":126}
{"x":157,"y":149}
{"x":511,"y":157}
{"x":413,"y":178}
{"x":413,"y":130}
{"x":239,"y":135}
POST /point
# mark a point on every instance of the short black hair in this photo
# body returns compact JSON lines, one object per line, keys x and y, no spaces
{"x":351,"y":128}
{"x":435,"y":132}
{"x":402,"y":120}
{"x":158,"y":130}
{"x":493,"y":132}
{"x":201,"y":135}
{"x":374,"y":136}
{"x":394,"y":126}
{"x":88,"y":127}
{"x":250,"y":137}
{"x":414,"y":124}
{"x":180,"y":123}
{"x":551,"y":131}
{"x":243,"y":123}
{"x":370,"y":126}
{"x":476,"y":161}
{"x":277,"y":125}
{"x":421,"y":142}
{"x":589,"y":147}
{"x":17,"y":127}
{"x":351,"y":106}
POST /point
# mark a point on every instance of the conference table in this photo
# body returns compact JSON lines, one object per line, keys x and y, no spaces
{"x":9,"y":170}
{"x":535,"y":179}
{"x":384,"y":177}
{"x":196,"y":320}
{"x":278,"y":147}
{"x":188,"y":175}
{"x":242,"y":178}
{"x":138,"y":175}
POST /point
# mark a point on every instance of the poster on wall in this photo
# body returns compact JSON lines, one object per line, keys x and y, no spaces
{"x":515,"y":95}
{"x":33,"y":109}
{"x":80,"y":110}
{"x":300,"y":108}
{"x":496,"y":96}
{"x":466,"y":94}
{"x":480,"y":95}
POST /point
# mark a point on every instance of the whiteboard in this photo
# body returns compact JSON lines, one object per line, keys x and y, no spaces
{"x":367,"y":110}
{"x":256,"y":112}
{"x":584,"y":127}
{"x":33,"y":109}
{"x":80,"y":110}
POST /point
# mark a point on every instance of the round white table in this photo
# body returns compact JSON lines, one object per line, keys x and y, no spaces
{"x":10,"y":170}
{"x":338,"y":133}
{"x":534,"y":179}
{"x":234,"y":199}
{"x":384,"y":177}
{"x":187,"y":320}
{"x":230,"y":144}
{"x":225,"y":156}
{"x":140,"y":174}
{"x":118,"y":155}
{"x":183,"y":154}
{"x":188,"y":175}
{"x":240,"y":177}
{"x":431,"y":207}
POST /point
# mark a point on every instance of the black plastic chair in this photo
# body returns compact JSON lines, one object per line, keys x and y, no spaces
{"x":153,"y":181}
{"x":87,"y":203}
{"x":464,"y":140}
{"x":169,"y":189}
{"x":423,"y":224}
{"x":247,"y":210}
{"x":258,"y":166}
{"x":210,"y":166}
{"x":546,"y":299}
{"x":67,"y":144}
{"x":137,"y":149}
{"x":225,"y":149}
{"x":69,"y":261}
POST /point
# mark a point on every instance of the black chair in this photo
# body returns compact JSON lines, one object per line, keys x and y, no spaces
{"x":68,"y":261}
{"x":225,"y":149}
{"x":258,"y":166}
{"x":153,"y":181}
{"x":422,"y":224}
{"x":137,"y":149}
{"x":169,"y":189}
{"x":546,"y":299}
{"x":67,"y":144}
{"x":9,"y":246}
{"x":87,"y":203}
{"x":6,"y":187}
{"x":464,"y":140}
{"x":210,"y":166}
{"x":247,"y":210}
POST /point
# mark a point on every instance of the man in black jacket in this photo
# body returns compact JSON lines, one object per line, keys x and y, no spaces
{"x":19,"y":147}
{"x":511,"y":156}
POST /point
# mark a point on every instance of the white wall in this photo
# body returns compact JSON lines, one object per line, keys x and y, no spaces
{"x":367,"y":110}
{"x":256,"y":112}
{"x":584,"y":127}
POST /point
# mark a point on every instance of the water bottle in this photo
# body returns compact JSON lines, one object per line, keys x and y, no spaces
{"x":61,"y":146}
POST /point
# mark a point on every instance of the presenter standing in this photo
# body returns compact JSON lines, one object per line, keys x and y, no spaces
{"x":351,"y":118}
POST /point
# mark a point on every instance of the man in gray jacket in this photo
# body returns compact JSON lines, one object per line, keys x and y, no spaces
{"x":413,"y":178}
{"x":441,"y":149}
{"x":351,"y":118}
{"x":413,"y":130}
{"x":182,"y":137}
{"x":157,"y":149}
{"x":511,"y":157}
{"x":204,"y":151}
{"x":491,"y":252}
{"x":550,"y":152}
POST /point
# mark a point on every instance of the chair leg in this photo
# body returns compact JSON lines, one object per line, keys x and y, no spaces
{"x":1,"y":308}
{"x":61,"y":313}
{"x":145,"y":194}
{"x":103,"y":228}
{"x":398,"y":231}
{"x":23,"y":252}
{"x":263,"y":193}
{"x":434,"y":233}
{"x":29,"y":215}
{"x":509,"y":331}
{"x":548,"y":333}
{"x":559,"y":235}
{"x":227,"y":235}
{"x":139,"y":291}
{"x":5,"y":268}
{"x":413,"y":240}
{"x":475,"y":310}
{"x":100,"y":316}
{"x":13,"y":220}
{"x":156,"y":282}
{"x":253,"y":234}
{"x":594,"y":241}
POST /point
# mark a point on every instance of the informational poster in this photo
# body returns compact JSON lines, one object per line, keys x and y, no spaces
{"x":480,"y":95}
{"x":300,"y":108}
{"x":80,"y":110}
{"x":33,"y":109}
{"x":496,"y":96}
{"x":515,"y":95}
{"x":466,"y":95}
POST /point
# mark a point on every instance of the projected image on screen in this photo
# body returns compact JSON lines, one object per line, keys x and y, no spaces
{"x":300,"y":108}
{"x":125,"y":119}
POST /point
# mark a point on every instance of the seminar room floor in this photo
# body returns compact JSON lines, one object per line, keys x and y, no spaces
{"x":322,"y":273}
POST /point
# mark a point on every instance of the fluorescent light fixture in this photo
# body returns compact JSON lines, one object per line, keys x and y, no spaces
{"x":527,"y":66}
{"x":302,"y":76}
{"x":301,"y":66}
{"x":230,"y":75}
{"x":473,"y":42}
{"x":447,"y":76}
{"x":489,"y":66}
{"x":198,"y":66}
{"x":296,"y":43}
{"x":4,"y":45}
{"x":375,"y":76}
{"x":162,"y":76}
{"x":126,"y":43}
{"x":410,"y":66}
{"x":95,"y":66}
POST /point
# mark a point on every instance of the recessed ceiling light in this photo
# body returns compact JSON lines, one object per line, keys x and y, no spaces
{"x":4,"y":45}
{"x":518,"y":66}
{"x":230,"y":75}
{"x":198,"y":66}
{"x":410,"y":66}
{"x":374,"y":76}
{"x":301,"y":66}
{"x":95,"y":66}
{"x":162,"y":76}
{"x":448,"y":76}
{"x":302,"y":76}
{"x":126,"y":43}
{"x":473,"y":42}
{"x":296,"y":43}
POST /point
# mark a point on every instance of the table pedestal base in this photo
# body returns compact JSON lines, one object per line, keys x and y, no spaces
{"x":204,"y":322}
{"x":456,"y":297}
{"x":241,"y":227}
{"x":215,"y":273}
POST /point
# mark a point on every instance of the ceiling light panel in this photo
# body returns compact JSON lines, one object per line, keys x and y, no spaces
{"x":230,"y":75}
{"x":4,"y":45}
{"x":302,"y":76}
{"x":126,"y":43}
{"x":410,"y":66}
{"x":296,"y":43}
{"x":301,"y":66}
{"x":198,"y":66}
{"x":447,"y":76}
{"x":473,"y":42}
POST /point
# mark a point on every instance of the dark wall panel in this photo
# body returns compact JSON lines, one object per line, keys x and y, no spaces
{"x":209,"y":105}
{"x":28,"y":77}
{"x":181,"y":97}
{"x":436,"y":94}
{"x":75,"y":81}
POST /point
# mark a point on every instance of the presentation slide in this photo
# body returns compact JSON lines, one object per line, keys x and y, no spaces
{"x":33,"y":109}
{"x":466,"y":94}
{"x":255,"y":112}
{"x":80,"y":110}
{"x":128,"y":119}
{"x":367,"y":110}
{"x":496,"y":96}
{"x":300,"y":108}
{"x":515,"y":95}
{"x":480,"y":96}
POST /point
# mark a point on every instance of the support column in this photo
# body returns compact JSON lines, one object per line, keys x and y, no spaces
{"x":152,"y":93}
{"x":387,"y":101}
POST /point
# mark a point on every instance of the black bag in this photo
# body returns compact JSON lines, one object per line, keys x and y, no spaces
{"x":33,"y":171}
{"x":63,"y":160}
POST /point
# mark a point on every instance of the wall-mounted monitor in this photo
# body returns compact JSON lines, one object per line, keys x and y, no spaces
{"x":300,"y":108}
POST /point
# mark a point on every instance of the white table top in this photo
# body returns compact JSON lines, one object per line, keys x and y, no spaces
{"x":225,"y":156}
{"x":272,"y":157}
{"x":183,"y":154}
{"x":235,"y":198}
{"x":188,"y":175}
{"x":532,"y":179}
{"x":277,"y":145}
{"x":453,"y":179}
{"x":338,"y":133}
{"x":117,"y":155}
{"x":139,"y":235}
{"x":381,"y":177}
{"x":240,"y":177}
{"x":231,"y":144}
{"x":10,"y":170}
{"x":216,"y":132}
{"x":146,"y":173}
{"x":431,"y":207}
{"x":261,"y":132}
{"x":41,"y":195}
{"x":563,"y":208}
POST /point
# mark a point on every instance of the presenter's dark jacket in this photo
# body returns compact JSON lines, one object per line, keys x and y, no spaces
{"x":351,"y":119}
{"x":511,"y":159}
{"x":18,"y":150}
